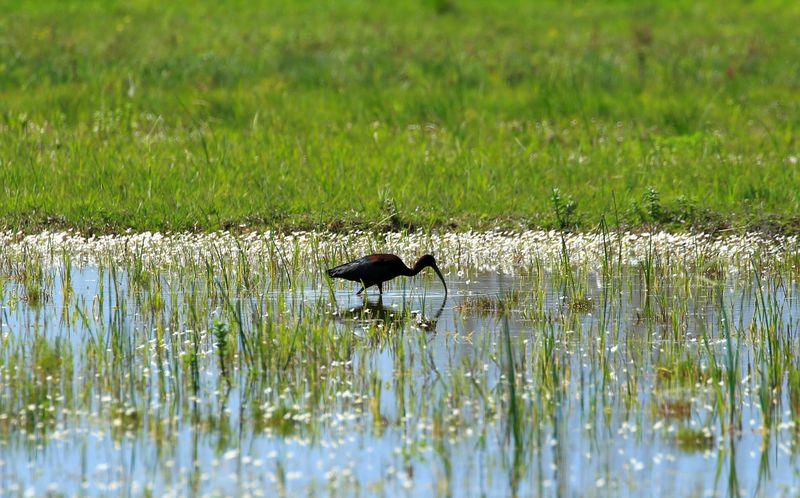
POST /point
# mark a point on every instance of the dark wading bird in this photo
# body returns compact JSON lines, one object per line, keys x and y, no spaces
{"x":376,"y":269}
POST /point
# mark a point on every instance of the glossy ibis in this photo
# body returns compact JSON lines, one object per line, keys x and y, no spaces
{"x":376,"y":269}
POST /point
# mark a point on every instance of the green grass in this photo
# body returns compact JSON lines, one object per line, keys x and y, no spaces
{"x":198,"y":115}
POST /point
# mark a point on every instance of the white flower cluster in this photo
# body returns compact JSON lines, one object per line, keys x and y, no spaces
{"x":508,"y":252}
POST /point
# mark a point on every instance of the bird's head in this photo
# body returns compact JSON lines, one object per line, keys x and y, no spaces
{"x":426,"y":261}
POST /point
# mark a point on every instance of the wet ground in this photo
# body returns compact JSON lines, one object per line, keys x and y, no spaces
{"x":642,"y":378}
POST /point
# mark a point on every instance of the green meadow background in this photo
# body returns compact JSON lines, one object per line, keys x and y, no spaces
{"x":458,"y":114}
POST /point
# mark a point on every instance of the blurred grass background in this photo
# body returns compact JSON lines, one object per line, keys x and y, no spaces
{"x":430,"y":114}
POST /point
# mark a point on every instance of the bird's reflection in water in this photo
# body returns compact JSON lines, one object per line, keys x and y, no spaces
{"x":373,"y":312}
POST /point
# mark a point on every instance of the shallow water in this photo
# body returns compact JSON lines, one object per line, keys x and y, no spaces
{"x":615,"y":390}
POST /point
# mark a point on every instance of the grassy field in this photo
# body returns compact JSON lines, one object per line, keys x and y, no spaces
{"x":448,"y":113}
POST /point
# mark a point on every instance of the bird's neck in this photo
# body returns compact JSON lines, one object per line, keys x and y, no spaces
{"x":410,"y":272}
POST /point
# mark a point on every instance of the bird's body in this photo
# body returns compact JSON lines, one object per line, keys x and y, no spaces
{"x":376,"y":269}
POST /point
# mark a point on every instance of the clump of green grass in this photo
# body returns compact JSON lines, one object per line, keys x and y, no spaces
{"x":490,"y":304}
{"x":680,"y":370}
{"x":674,"y":408}
{"x":694,"y":440}
{"x":35,"y":283}
{"x":279,"y":420}
{"x":580,"y":304}
{"x":223,"y":346}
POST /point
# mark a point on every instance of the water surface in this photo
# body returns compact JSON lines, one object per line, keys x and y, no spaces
{"x":543,"y":383}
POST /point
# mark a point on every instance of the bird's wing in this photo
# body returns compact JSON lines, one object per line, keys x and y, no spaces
{"x":346,"y":269}
{"x":364,"y":268}
{"x":383,"y":259}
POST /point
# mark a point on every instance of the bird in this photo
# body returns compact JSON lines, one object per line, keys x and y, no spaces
{"x":375,"y":269}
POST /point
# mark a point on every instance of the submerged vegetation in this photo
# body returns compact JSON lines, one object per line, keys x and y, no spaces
{"x":341,"y":114}
{"x":224,"y":364}
{"x":175,"y":177}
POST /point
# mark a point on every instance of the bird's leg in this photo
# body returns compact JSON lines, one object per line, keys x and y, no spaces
{"x":363,"y":288}
{"x":380,"y":288}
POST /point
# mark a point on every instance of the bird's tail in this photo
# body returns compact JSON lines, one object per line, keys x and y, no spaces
{"x":335,"y":272}
{"x":340,"y":270}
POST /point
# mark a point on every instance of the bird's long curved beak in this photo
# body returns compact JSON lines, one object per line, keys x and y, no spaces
{"x":441,"y":277}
